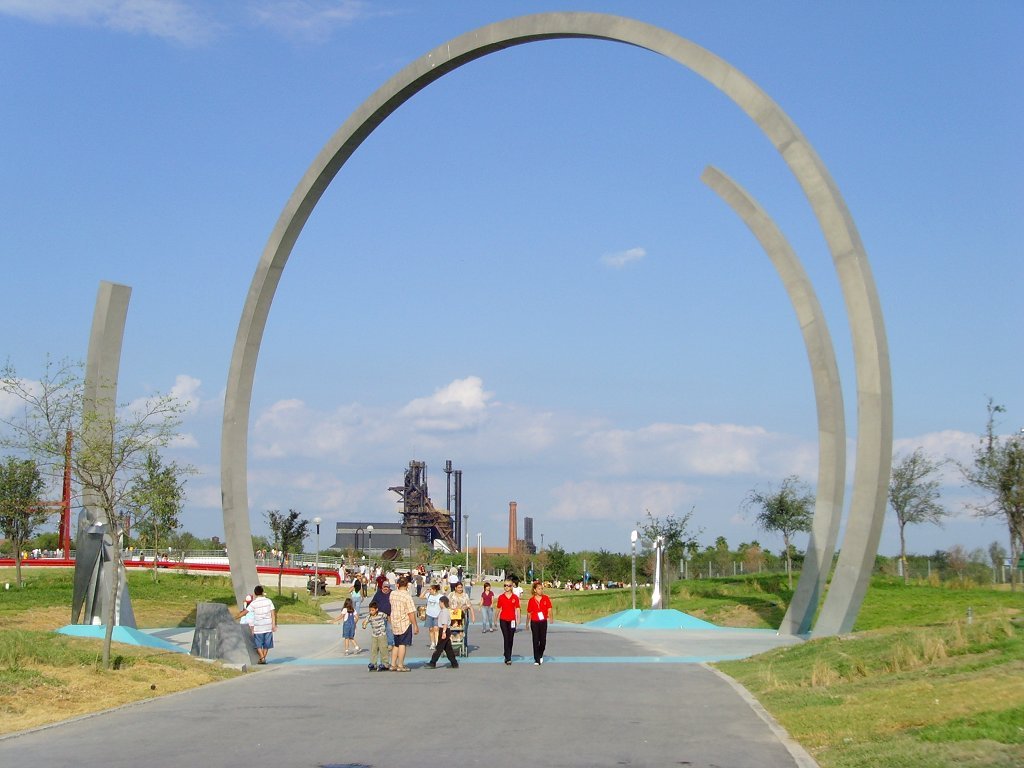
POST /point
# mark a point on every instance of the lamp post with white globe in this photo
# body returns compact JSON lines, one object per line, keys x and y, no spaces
{"x":369,"y":546}
{"x":316,"y":560}
{"x":632,"y":538}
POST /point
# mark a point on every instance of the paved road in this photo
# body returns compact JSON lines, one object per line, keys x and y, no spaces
{"x":603,"y":698}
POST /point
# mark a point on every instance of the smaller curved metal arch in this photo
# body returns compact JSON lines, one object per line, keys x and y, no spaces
{"x":828,"y":396}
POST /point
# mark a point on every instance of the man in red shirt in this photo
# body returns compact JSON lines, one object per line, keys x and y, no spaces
{"x":538,"y":614}
{"x":508,"y":617}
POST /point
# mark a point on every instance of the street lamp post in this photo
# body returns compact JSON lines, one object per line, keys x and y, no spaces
{"x":632,"y":538}
{"x":369,"y":534}
{"x":465,"y":528}
{"x":316,"y":560}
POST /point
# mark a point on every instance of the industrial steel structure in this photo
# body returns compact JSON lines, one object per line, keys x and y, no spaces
{"x":421,"y":520}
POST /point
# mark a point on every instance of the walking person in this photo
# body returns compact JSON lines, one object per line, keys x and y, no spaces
{"x":508,"y":618}
{"x":356,"y":594}
{"x":347,"y":619}
{"x":444,"y":638}
{"x":403,"y":624}
{"x":487,"y":608}
{"x":377,"y":622}
{"x":538,"y":614}
{"x":433,"y":611}
{"x":264,"y":622}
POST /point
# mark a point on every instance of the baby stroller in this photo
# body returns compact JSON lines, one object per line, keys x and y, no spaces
{"x":457,"y":633}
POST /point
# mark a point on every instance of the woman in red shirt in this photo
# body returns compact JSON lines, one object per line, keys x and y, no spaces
{"x":508,"y":617}
{"x":538,"y":613}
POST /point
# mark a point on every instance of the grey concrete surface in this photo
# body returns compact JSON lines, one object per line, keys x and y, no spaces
{"x":619,"y":698}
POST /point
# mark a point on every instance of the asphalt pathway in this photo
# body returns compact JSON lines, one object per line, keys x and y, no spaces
{"x":602,"y":698}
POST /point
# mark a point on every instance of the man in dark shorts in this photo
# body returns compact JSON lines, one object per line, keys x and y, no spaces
{"x":403,"y":624}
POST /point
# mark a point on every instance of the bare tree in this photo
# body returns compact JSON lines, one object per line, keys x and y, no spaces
{"x":107,"y":453}
{"x":788,"y":510}
{"x":998,"y":470}
{"x":913,"y":497}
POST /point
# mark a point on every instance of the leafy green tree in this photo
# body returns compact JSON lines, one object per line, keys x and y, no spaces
{"x":289,"y":532}
{"x":914,"y":497}
{"x":998,"y":470}
{"x":674,"y":529}
{"x":604,"y":565}
{"x":47,"y":540}
{"x":155,"y":499}
{"x":559,"y":566}
{"x":788,"y":510}
{"x":20,"y":513}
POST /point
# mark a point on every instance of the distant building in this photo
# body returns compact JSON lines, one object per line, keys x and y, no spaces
{"x":527,"y":544}
{"x":354,"y":535}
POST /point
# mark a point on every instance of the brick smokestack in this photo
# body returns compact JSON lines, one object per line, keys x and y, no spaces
{"x":513,"y":528}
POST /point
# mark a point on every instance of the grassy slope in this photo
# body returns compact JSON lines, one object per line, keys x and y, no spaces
{"x":46,"y":677}
{"x":914,"y":685}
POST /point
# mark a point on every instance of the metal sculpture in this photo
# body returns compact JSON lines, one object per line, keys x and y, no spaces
{"x":871,"y":356}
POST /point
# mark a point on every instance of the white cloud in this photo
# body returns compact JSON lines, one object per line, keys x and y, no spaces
{"x":951,"y":446}
{"x":714,"y":450}
{"x":459,"y":406}
{"x":184,"y":440}
{"x":620,"y":259}
{"x":10,"y":404}
{"x":620,"y":502}
{"x":168,"y":19}
{"x":309,"y":19}
{"x":186,"y":391}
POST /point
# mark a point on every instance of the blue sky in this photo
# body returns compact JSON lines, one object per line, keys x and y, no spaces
{"x":520,"y":270}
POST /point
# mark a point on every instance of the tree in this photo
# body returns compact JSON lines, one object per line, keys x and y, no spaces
{"x":107,"y":452}
{"x":20,"y":513}
{"x":788,"y":510}
{"x":753,"y":557}
{"x":998,"y":470}
{"x":913,"y":497}
{"x":289,"y":532}
{"x":558,"y":565}
{"x":675,"y":530}
{"x":675,"y":535}
{"x":155,"y":499}
{"x":997,"y":556}
{"x":957,"y":560}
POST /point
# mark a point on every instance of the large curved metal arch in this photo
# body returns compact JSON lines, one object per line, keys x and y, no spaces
{"x":871,"y":357}
{"x":828,"y":398}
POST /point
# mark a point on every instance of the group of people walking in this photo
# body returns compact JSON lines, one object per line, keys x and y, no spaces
{"x":392,"y":621}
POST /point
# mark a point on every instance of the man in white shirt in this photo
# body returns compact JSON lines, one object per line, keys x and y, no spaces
{"x":264,"y":622}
